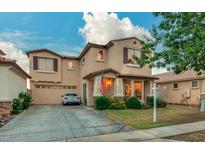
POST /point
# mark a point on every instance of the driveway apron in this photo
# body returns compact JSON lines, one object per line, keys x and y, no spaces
{"x":55,"y":123}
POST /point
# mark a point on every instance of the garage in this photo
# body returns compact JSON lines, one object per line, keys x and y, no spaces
{"x":51,"y":94}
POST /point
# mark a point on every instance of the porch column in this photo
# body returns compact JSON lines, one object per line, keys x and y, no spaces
{"x":143,"y":91}
{"x":118,"y":88}
{"x":150,"y":87}
{"x":132,"y":88}
{"x":96,"y":89}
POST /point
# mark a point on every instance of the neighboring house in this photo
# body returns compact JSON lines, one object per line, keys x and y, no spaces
{"x":13,"y":79}
{"x":54,"y":74}
{"x":184,"y":88}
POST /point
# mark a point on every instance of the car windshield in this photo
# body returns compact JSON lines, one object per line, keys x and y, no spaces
{"x":71,"y":94}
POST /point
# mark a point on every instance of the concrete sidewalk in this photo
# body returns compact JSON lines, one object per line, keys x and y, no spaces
{"x":149,"y":135}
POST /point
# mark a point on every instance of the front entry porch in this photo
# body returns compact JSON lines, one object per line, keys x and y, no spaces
{"x":111,"y":85}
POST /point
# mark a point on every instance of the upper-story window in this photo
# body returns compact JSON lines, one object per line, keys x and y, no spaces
{"x":194,"y":84}
{"x":70,"y":65}
{"x":82,"y":62}
{"x":129,"y":54}
{"x":100,"y":55}
{"x":175,"y":85}
{"x":45,"y":64}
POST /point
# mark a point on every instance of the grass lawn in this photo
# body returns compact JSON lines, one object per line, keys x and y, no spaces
{"x":142,"y":119}
{"x":191,"y":137}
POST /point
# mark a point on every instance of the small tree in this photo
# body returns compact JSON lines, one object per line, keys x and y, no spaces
{"x":178,"y":42}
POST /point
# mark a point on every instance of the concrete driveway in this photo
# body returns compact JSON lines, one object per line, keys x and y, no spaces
{"x":58,"y":123}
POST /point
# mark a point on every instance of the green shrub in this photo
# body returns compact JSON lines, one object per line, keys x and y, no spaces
{"x":26,"y":97}
{"x":160,"y":102}
{"x":116,"y":104}
{"x":134,"y":103}
{"x":17,"y":105}
{"x":101,"y":102}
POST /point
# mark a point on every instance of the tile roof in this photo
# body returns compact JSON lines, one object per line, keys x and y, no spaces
{"x":172,"y":77}
{"x":2,"y":53}
{"x":118,"y":74}
{"x":16,"y":66}
{"x":107,"y":45}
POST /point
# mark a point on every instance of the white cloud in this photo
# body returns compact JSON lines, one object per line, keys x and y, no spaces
{"x":103,"y":27}
{"x":15,"y":54}
{"x":24,"y":40}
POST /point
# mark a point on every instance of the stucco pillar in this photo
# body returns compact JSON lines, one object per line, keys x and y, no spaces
{"x":143,"y":91}
{"x":118,"y":88}
{"x":150,"y":88}
{"x":132,"y":88}
{"x":96,"y":89}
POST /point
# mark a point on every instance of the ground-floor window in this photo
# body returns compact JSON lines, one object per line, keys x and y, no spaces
{"x":138,"y":89}
{"x":108,"y":87}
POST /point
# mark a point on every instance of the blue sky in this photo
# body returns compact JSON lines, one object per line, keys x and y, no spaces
{"x":57,"y":28}
{"x":68,"y":33}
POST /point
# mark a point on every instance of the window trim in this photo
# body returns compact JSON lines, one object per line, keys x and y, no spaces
{"x":133,"y":65}
{"x":82,"y":62}
{"x":68,"y":68}
{"x":176,"y":87}
{"x":103,"y":55}
{"x":127,"y":60}
{"x":45,"y":71}
{"x":197,"y":85}
{"x":36,"y":68}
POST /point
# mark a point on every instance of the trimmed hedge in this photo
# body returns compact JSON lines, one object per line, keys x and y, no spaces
{"x":133,"y":103}
{"x":21,"y":103}
{"x":116,"y":104}
{"x":101,"y":103}
{"x":113,"y":103}
{"x":160,"y":102}
{"x":17,"y":106}
{"x":26,"y":99}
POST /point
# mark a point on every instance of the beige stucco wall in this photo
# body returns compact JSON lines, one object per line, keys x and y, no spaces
{"x":11,"y":83}
{"x":4,"y":82}
{"x":91,"y":64}
{"x":115,"y":58}
{"x":44,"y":76}
{"x":70,"y":76}
{"x":49,"y":95}
{"x":171,"y":95}
{"x":64,"y":77}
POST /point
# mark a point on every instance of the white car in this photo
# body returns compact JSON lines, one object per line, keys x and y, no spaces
{"x":71,"y":99}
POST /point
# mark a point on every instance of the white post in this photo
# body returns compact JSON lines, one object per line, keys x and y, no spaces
{"x":154,"y":105}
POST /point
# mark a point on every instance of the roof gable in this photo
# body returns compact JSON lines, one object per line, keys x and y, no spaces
{"x":184,"y":76}
{"x":16,"y":66}
{"x":2,"y":53}
{"x":42,"y":50}
{"x":86,"y":48}
{"x":106,"y":46}
{"x":51,"y":52}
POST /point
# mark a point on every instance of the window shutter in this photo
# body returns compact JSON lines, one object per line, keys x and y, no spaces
{"x":35,"y":63}
{"x":125,"y":55}
{"x":55,"y":65}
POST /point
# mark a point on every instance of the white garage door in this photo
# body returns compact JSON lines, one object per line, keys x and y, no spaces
{"x":51,"y":94}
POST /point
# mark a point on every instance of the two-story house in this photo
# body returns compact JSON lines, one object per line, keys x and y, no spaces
{"x":109,"y":67}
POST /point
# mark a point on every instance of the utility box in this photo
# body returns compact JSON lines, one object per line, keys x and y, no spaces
{"x":202,"y":102}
